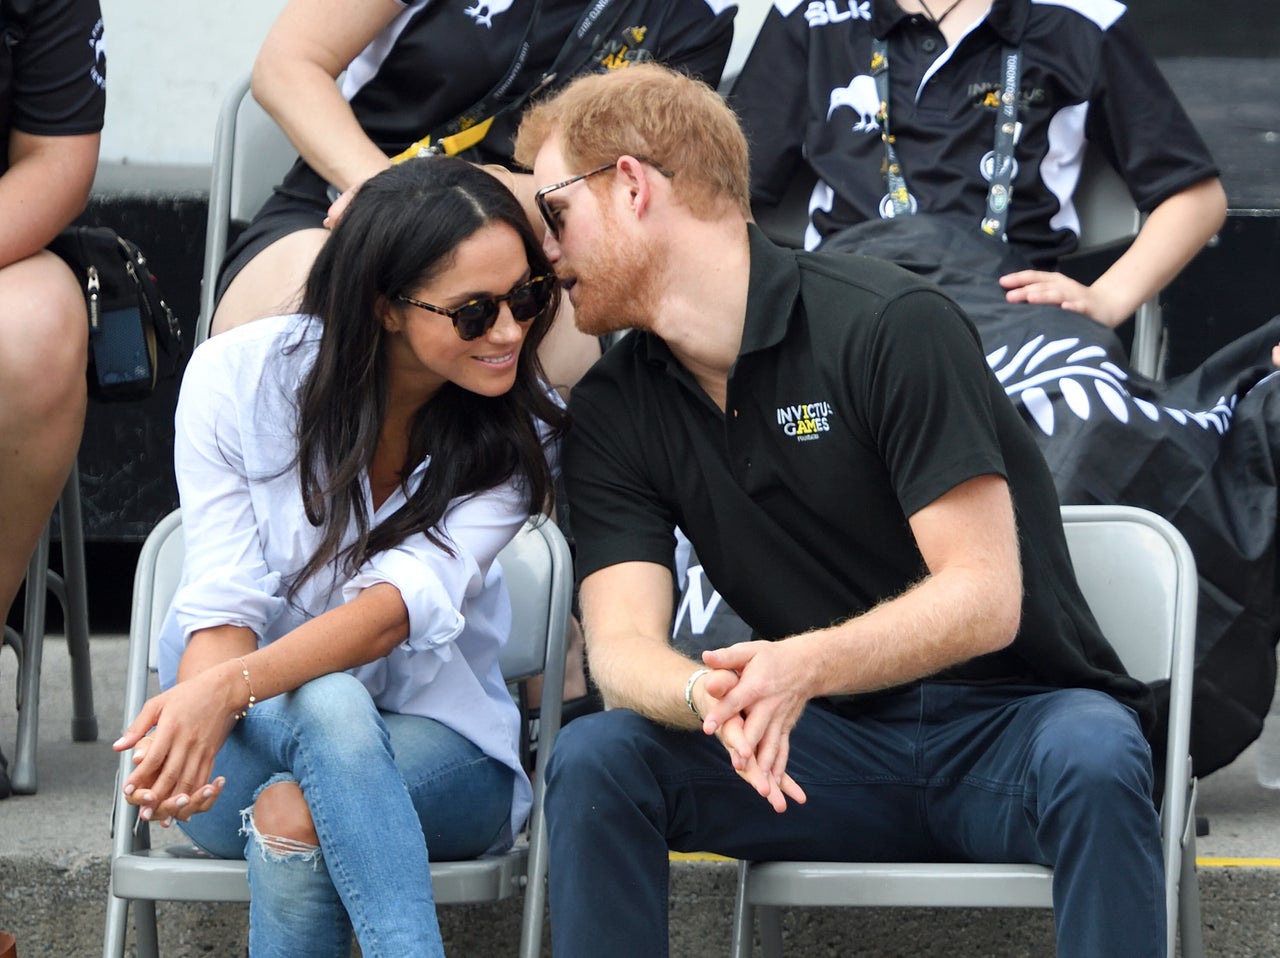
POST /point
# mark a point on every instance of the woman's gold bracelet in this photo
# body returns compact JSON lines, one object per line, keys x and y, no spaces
{"x":244,"y":671}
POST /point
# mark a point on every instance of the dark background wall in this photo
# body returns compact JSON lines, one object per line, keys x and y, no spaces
{"x":1208,"y":28}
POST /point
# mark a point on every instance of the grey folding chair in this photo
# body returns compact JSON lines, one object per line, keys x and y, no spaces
{"x":71,"y":591}
{"x":251,"y":154}
{"x":538,"y":573}
{"x":1139,"y":577}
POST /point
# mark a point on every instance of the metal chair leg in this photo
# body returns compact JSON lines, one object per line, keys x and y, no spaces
{"x":769,"y":918}
{"x":116,"y":928}
{"x":73,"y":593}
{"x":146,"y":933}
{"x":23,"y":774}
{"x":1190,"y":928}
{"x":743,"y":917}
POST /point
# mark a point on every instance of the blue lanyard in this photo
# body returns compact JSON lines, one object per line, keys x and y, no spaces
{"x":899,"y":201}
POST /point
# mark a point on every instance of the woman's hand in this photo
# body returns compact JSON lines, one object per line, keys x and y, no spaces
{"x":175,"y":738}
{"x":182,"y":806}
{"x":339,"y":206}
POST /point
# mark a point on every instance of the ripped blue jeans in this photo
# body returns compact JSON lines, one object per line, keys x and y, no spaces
{"x":375,"y":782}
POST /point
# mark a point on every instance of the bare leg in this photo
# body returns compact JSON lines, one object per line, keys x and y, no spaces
{"x":281,"y":812}
{"x":271,"y":283}
{"x":44,"y":333}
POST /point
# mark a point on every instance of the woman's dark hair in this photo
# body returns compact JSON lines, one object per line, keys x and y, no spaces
{"x":400,"y":231}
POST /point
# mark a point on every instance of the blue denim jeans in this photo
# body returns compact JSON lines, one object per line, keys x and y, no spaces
{"x":376,"y":784}
{"x":936,"y":773}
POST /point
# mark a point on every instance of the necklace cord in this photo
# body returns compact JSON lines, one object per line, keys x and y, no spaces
{"x":937,"y":21}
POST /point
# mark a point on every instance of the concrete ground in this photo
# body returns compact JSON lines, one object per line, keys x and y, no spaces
{"x":54,"y":848}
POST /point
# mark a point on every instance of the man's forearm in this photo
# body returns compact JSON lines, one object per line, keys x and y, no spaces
{"x":942,"y":621}
{"x":626,"y":614}
{"x":636,"y":674}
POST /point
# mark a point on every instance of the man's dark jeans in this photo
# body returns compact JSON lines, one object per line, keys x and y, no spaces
{"x":935,"y":773}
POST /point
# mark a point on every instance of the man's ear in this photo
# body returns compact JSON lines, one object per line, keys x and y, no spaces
{"x":634,"y":176}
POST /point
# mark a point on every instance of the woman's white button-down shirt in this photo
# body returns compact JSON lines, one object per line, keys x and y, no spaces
{"x":246,"y":536}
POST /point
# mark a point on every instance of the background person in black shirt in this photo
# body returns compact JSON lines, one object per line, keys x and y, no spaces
{"x":1202,"y":450}
{"x":52,"y":98}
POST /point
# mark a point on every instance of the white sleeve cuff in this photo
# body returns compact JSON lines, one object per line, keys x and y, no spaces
{"x":228,"y":596}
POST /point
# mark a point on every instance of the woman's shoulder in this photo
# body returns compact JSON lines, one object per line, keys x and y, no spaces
{"x":240,"y":362}
{"x":260,"y":338}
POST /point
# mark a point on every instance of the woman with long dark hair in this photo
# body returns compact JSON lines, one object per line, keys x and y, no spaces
{"x":333,"y":709}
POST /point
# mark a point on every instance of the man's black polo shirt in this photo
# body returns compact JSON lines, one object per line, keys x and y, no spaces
{"x":806,"y":96}
{"x":859,"y":396}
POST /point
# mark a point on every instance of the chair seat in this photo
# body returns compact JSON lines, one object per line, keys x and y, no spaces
{"x":181,"y":873}
{"x":156,"y":874}
{"x":942,"y":885}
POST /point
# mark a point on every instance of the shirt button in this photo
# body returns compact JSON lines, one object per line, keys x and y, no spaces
{"x":928,"y":44}
{"x":748,"y":462}
{"x":735,"y":414}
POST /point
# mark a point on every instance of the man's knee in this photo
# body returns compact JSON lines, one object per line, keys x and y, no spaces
{"x":1096,"y":747}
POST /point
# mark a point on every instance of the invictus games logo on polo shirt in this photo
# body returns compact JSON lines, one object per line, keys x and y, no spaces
{"x":806,"y":421}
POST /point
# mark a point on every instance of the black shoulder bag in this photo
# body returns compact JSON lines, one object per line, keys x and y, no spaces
{"x":134,"y":337}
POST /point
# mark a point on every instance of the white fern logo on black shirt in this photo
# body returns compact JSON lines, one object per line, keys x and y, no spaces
{"x":1089,"y":385}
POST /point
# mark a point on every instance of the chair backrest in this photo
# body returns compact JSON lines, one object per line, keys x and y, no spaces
{"x":1139,"y":576}
{"x":251,"y":154}
{"x":747,"y":22}
{"x":1109,"y":218}
{"x":533,"y":601}
{"x":1108,"y":214}
{"x":155,"y":580}
{"x":1131,"y":572}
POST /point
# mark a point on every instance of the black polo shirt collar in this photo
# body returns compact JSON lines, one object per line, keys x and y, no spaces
{"x":771,"y":294}
{"x":1007,"y":18}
